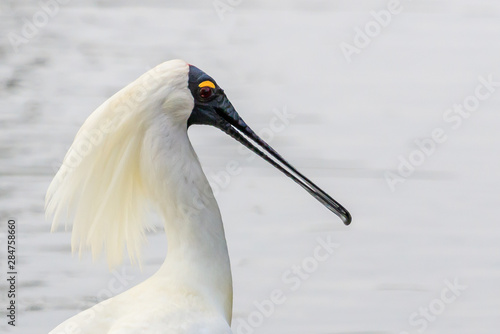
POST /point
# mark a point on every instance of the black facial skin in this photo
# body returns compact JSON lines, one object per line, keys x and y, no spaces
{"x":212,"y":110}
{"x":211,"y":107}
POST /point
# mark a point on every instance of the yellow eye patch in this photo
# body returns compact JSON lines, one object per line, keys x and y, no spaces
{"x":207,"y":84}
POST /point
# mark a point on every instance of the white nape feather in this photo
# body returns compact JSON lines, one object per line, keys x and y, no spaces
{"x":107,"y":177}
{"x":132,"y":150}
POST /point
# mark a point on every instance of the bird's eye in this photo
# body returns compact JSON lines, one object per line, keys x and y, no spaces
{"x":206,"y":92}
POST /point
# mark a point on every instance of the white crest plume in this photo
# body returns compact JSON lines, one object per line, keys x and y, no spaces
{"x":104,"y":182}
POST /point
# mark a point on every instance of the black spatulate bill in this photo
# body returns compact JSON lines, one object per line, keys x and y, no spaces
{"x":212,"y":107}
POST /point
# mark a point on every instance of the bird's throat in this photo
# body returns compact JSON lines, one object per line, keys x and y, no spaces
{"x":197,"y":261}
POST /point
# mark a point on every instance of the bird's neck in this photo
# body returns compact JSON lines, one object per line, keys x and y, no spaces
{"x":197,"y":262}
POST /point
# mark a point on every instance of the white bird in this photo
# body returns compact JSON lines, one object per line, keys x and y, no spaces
{"x":132,"y":150}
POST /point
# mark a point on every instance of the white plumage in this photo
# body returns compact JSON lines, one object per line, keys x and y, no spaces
{"x":131,"y":150}
{"x":115,"y":163}
{"x":134,"y":151}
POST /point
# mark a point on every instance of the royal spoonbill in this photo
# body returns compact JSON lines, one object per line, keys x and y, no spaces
{"x":133,"y":150}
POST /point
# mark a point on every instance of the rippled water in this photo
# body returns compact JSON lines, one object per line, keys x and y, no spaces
{"x":352,"y":123}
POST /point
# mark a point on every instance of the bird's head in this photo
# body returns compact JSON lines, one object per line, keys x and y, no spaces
{"x":212,"y":107}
